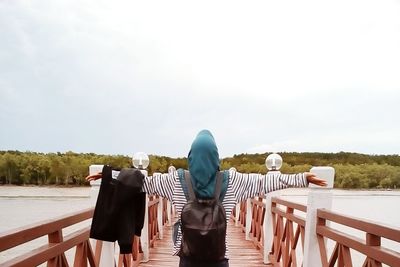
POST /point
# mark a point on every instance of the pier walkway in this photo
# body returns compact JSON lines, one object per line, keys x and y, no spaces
{"x":241,"y":252}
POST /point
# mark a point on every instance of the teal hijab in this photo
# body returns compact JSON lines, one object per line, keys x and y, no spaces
{"x":203,"y":162}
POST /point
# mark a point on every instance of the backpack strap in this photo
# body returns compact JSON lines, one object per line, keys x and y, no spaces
{"x":218,"y":184}
{"x":192,"y":195}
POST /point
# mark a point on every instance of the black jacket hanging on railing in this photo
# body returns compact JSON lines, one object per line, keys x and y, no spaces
{"x":120,"y":208}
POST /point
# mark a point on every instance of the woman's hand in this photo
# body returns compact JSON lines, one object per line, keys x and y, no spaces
{"x":94,"y":177}
{"x":312,"y":178}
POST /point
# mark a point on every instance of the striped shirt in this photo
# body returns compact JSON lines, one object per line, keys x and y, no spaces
{"x":241,"y":186}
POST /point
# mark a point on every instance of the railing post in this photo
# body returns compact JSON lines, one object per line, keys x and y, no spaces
{"x":249,"y":214}
{"x":107,"y":248}
{"x":237,"y":214}
{"x":169,"y":211}
{"x":60,"y":260}
{"x":160,"y":220}
{"x":144,"y":238}
{"x":170,"y":208}
{"x":317,"y":198}
{"x":94,"y":185}
{"x":268,"y":225}
{"x":173,"y":211}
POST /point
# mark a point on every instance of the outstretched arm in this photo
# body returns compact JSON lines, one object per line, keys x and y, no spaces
{"x":248,"y":185}
{"x":160,"y":184}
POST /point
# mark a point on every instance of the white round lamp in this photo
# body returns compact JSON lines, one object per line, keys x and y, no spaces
{"x":274,"y":162}
{"x":140,"y":160}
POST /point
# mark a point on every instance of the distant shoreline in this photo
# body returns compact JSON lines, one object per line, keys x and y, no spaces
{"x":15,"y":191}
{"x":76,"y":192}
{"x":88,"y":186}
{"x":47,"y":185}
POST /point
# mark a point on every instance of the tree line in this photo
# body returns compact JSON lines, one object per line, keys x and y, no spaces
{"x":353,"y":170}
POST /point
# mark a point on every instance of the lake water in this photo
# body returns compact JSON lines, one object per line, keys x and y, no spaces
{"x":20,"y":206}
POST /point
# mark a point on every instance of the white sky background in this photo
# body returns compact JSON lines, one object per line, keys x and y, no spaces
{"x":120,"y":77}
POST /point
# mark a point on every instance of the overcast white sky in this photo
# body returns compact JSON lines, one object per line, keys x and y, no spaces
{"x":120,"y":77}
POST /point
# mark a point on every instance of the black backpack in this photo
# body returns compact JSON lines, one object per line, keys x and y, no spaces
{"x":203,"y":224}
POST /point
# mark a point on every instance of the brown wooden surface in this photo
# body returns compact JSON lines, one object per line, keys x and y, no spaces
{"x":241,"y":252}
{"x":27,"y":233}
{"x":371,"y":227}
{"x":289,"y":232}
{"x":161,"y":252}
{"x":257,"y":222}
{"x":52,"y":250}
{"x":289,"y":204}
{"x":371,"y":247}
{"x":242,"y":215}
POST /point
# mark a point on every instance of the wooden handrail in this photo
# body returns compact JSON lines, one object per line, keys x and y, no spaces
{"x":288,"y":231}
{"x":242,"y":214}
{"x":389,"y":232}
{"x":153,"y":202}
{"x":53,"y":252}
{"x":289,"y":204}
{"x":371,"y":247}
{"x":379,"y":254}
{"x":289,"y":216}
{"x":256,"y":202}
{"x":27,"y":233}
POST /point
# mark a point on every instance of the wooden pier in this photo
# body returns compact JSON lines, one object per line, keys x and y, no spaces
{"x":241,"y":252}
{"x":266,"y":231}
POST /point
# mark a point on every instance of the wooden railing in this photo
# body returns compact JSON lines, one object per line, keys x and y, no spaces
{"x":256,"y":233}
{"x":54,"y":251}
{"x":282,"y":230}
{"x":290,"y":232}
{"x":250,"y":215}
{"x":371,"y":247}
{"x":154,"y":227}
{"x":242,"y":215}
{"x":288,"y":229}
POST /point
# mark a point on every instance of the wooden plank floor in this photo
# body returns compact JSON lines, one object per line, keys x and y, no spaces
{"x":241,"y":252}
{"x":161,"y":253}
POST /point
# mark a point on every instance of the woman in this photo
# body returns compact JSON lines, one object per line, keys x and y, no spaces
{"x":203,"y":163}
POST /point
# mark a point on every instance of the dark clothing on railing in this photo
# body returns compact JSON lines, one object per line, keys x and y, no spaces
{"x":120,"y":208}
{"x":186,"y":262}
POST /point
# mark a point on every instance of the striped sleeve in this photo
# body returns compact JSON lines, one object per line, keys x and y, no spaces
{"x":277,"y":181}
{"x":161,"y":184}
{"x":245,"y":185}
{"x":249,"y":185}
